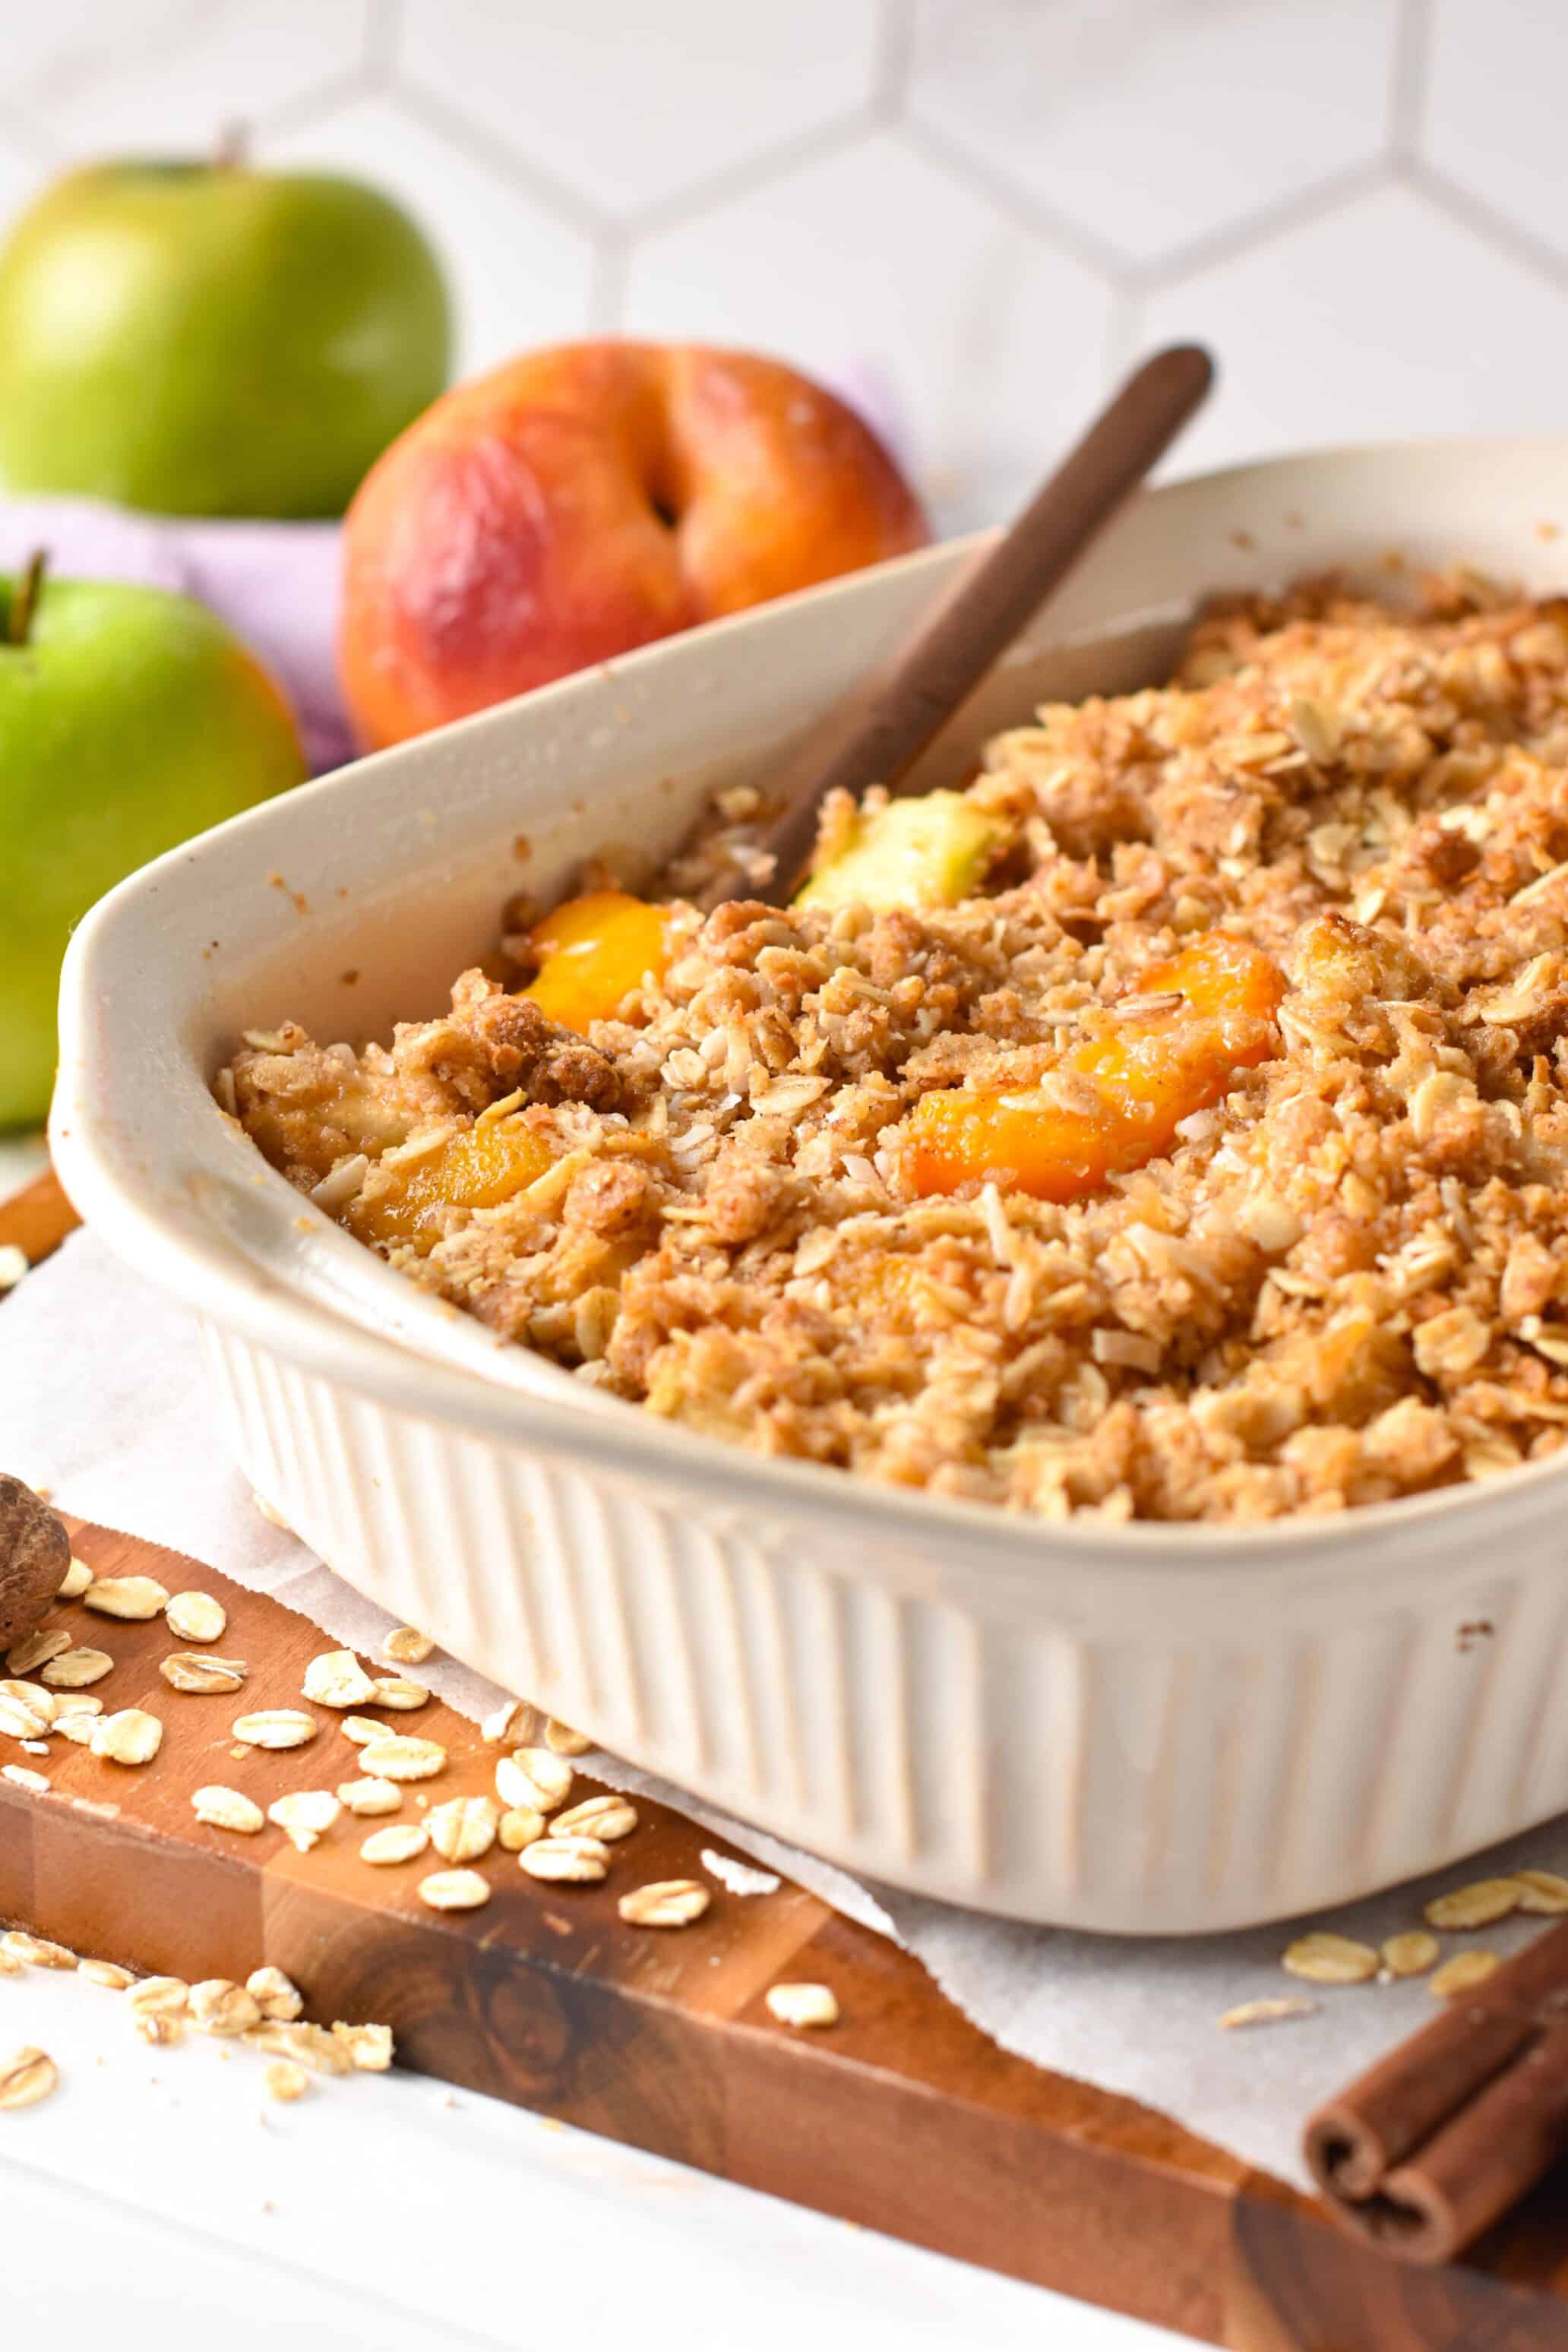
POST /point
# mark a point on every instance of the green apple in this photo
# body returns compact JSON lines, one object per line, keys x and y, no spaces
{"x":130,"y":718}
{"x":211,"y":339}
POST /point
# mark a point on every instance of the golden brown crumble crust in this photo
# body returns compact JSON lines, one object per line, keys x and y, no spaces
{"x":1348,"y":1281}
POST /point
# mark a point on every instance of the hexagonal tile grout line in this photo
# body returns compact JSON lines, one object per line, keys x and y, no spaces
{"x":93,"y":66}
{"x":607,"y":284}
{"x":383,"y":34}
{"x":1271,"y":222}
{"x":1407,"y":93}
{"x":895,"y":59}
{"x":551,"y":194}
{"x":738,"y":181}
{"x":1000,"y":194}
{"x":363,"y":81}
{"x":1474,"y":213}
{"x":101,"y":55}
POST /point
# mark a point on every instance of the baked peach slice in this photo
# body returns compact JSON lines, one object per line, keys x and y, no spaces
{"x":406,"y":1201}
{"x":1116,"y":1100}
{"x":593,"y":951}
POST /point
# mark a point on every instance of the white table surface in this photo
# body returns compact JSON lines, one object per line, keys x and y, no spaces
{"x":161,"y":2195}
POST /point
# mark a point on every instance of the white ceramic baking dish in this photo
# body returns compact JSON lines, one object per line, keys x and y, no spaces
{"x":1142,"y":1729}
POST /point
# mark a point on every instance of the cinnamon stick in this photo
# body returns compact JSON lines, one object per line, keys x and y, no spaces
{"x":1429,"y":2146}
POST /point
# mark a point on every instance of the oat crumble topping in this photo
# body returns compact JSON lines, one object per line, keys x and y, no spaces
{"x":1339,"y":1283}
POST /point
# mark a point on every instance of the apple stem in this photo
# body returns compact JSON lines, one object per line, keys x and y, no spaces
{"x":232,"y":152}
{"x":25,"y":598}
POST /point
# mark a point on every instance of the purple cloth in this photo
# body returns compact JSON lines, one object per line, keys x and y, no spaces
{"x":275,"y":583}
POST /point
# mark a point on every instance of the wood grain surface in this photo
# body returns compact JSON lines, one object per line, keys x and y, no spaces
{"x":903,"y":2117}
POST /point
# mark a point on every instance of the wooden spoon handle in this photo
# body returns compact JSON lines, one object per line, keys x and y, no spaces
{"x":886,"y":731}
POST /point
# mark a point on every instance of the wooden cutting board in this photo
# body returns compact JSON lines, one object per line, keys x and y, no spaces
{"x":903,"y":2117}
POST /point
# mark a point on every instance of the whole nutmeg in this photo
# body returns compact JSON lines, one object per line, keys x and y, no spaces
{"x":35,"y":1553}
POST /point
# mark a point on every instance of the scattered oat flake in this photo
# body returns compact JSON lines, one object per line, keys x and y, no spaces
{"x":159,"y":2029}
{"x":132,"y":1736}
{"x":665,"y":1902}
{"x":19,"y":1775}
{"x":275,"y":1726}
{"x":397,"y":1692}
{"x":369,"y":1796}
{"x":305,"y":1815}
{"x":1541,"y":1892}
{"x":497,"y":1725}
{"x":20,"y":1721}
{"x":138,"y":1597}
{"x":75,"y":1703}
{"x":363,"y":1728}
{"x":406,"y":1646}
{"x":1475,"y":1905}
{"x":337,"y":1679}
{"x":286,"y":2080}
{"x":228,"y":1809}
{"x":519,"y":1826}
{"x":464,"y":1828}
{"x":308,"y":2045}
{"x":562,"y":1740}
{"x":37,"y":1950}
{"x":1269,"y":2013}
{"x":1462,"y":1974}
{"x":77,"y":1728}
{"x":107,"y":1973}
{"x":28,"y":2075}
{"x":278,"y":1997}
{"x":399,"y":1843}
{"x":195,"y":1617}
{"x":369,"y":2046}
{"x":158,"y":1997}
{"x":14,"y":1263}
{"x":532,"y":1776}
{"x":76,"y":1579}
{"x":566,"y":1861}
{"x":219,"y":2007}
{"x":9,"y":1965}
{"x":608,"y":1818}
{"x":1324,"y":1959}
{"x":1411,"y":1954}
{"x":738,"y":1877}
{"x":803,"y":2004}
{"x":74,"y":1669}
{"x":37,"y":1649}
{"x":33,"y":1697}
{"x":453,"y":1890}
{"x":393,"y":1757}
{"x":199,"y":1675}
{"x":270,"y":1513}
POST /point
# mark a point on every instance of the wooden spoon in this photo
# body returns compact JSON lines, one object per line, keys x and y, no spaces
{"x":882,"y":729}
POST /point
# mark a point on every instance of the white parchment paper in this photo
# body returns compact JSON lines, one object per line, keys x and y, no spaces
{"x":103,"y":1398}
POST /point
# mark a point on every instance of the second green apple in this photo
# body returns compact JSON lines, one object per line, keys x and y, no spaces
{"x":209,"y":339}
{"x":130,"y":718}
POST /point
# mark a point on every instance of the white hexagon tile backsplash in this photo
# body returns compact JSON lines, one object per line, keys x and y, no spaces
{"x":969,"y":213}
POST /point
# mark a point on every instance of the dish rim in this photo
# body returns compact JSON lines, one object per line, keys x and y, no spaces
{"x":127,"y":1202}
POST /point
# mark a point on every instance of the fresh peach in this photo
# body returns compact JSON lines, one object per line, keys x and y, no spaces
{"x":589,"y":498}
